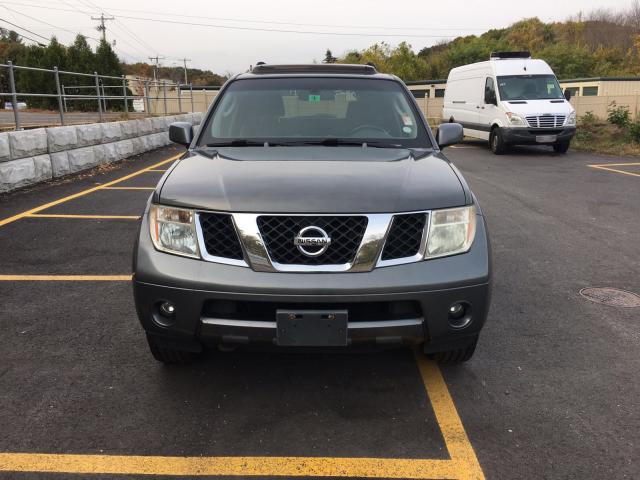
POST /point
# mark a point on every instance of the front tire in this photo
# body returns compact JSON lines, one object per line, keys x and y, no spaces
{"x":496,"y":142}
{"x":458,"y":355}
{"x":561,"y":147}
{"x":169,"y":356}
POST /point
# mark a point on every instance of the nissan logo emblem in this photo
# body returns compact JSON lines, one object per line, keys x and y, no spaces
{"x":312,"y":241}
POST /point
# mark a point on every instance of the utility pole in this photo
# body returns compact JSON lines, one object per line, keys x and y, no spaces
{"x":102,"y":27}
{"x":185,"y":60}
{"x":156,"y":59}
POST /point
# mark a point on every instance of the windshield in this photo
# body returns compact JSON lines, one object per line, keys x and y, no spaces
{"x":529,"y":87}
{"x":328,"y":111}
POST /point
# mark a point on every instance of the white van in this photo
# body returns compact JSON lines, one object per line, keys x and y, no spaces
{"x":510,"y":100}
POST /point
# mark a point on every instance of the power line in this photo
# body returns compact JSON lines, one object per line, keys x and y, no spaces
{"x":26,"y":30}
{"x":275,"y":22}
{"x":25,"y":36}
{"x":50,"y":24}
{"x":274,"y":30}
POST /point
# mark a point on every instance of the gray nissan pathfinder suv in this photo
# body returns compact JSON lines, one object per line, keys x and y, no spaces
{"x":313,"y":208}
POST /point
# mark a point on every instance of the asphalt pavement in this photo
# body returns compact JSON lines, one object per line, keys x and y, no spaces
{"x":551,"y":393}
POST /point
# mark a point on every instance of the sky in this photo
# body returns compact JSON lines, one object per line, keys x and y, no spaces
{"x":229,"y":36}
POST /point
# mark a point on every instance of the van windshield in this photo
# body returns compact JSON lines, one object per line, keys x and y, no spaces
{"x":308,"y":111}
{"x":529,"y":87}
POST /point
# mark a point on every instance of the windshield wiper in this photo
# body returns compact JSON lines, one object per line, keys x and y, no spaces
{"x":339,"y":142}
{"x":237,"y":143}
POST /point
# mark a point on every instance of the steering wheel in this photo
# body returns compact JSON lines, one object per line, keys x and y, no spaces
{"x":353,"y":132}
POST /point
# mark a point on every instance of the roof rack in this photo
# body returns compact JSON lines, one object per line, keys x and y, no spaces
{"x":262,"y":68}
{"x":509,"y":55}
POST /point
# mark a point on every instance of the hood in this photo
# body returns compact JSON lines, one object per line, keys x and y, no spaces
{"x":538,"y":107}
{"x":313,"y":180}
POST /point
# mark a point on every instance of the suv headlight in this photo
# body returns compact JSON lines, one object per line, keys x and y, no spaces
{"x":451,"y":231}
{"x":515,"y":119}
{"x":173,"y":230}
{"x":571,"y":121}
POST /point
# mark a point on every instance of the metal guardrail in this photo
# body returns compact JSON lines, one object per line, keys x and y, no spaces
{"x":152,"y":90}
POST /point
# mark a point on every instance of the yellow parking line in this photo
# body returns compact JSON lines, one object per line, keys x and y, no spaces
{"x":105,"y":217}
{"x":84,"y":192}
{"x":65,"y":278}
{"x":228,"y":466}
{"x":615,"y":164}
{"x":462,"y":465}
{"x":601,"y":167}
{"x":455,"y":437}
{"x":128,"y":188}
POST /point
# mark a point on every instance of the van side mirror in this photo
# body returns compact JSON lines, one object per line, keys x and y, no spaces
{"x":567,"y":94}
{"x":449,"y":134}
{"x":490,"y":98}
{"x":181,"y":133}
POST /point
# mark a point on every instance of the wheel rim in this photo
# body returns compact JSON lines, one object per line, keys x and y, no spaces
{"x":494,"y":142}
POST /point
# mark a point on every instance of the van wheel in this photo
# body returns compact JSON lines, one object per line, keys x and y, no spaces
{"x":458,"y":355}
{"x":496,"y":143}
{"x":169,"y":356}
{"x":561,"y":147}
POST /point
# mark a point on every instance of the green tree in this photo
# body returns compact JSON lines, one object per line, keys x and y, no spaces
{"x":108,"y":63}
{"x":80,"y":58}
{"x":329,"y":58}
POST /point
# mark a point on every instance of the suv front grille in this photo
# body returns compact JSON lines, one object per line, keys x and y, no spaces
{"x":220,"y":237}
{"x":405,"y":236}
{"x":546,"y":121}
{"x":279,"y":231}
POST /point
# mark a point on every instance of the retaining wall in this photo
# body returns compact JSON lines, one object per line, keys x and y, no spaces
{"x":28,"y":157}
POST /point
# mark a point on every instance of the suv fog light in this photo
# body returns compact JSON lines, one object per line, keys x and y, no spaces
{"x":167,"y":309}
{"x":459,"y":315}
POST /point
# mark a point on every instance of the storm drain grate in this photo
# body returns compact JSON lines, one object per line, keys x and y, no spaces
{"x":611,"y":296}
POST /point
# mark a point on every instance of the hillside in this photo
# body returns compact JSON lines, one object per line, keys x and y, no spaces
{"x":603,"y":43}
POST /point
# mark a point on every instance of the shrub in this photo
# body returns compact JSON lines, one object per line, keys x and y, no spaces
{"x":588,"y":119}
{"x":634,"y":129}
{"x":618,"y":115}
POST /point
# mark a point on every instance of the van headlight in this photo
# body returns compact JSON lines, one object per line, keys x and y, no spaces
{"x":451,"y":231}
{"x":571,"y":121}
{"x":515,"y":119}
{"x":173,"y":230}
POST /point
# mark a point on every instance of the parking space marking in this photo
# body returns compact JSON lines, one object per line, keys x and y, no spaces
{"x":99,"y":217}
{"x":85,"y":192}
{"x":607,"y":167}
{"x":65,"y":278}
{"x":128,"y":188}
{"x":463,"y":464}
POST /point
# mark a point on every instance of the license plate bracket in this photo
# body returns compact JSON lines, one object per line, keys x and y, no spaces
{"x":312,"y":328}
{"x":546,"y":138}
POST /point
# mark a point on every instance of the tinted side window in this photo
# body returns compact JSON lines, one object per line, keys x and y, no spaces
{"x":489,"y":91}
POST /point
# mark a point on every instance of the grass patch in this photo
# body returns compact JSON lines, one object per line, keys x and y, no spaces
{"x":601,"y":137}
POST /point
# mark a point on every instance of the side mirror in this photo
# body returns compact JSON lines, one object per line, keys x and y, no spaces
{"x":449,"y":134}
{"x":181,"y":133}
{"x":567,"y":94}
{"x":490,"y":98}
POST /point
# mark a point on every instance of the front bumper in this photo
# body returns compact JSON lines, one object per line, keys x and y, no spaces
{"x":207,"y":297}
{"x":528,"y":136}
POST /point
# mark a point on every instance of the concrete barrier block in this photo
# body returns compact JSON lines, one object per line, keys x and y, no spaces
{"x":5,"y":151}
{"x":110,"y":153}
{"x":99,"y":154}
{"x":140,"y":145}
{"x":124,"y":148}
{"x":81,"y":159}
{"x":144,"y":126}
{"x":24,"y":172}
{"x":42,"y":167}
{"x":60,"y":164}
{"x":28,"y":143}
{"x":111,"y":132}
{"x":90,"y":134}
{"x":61,"y":138}
{"x":158,"y":124}
{"x":129,"y":128}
